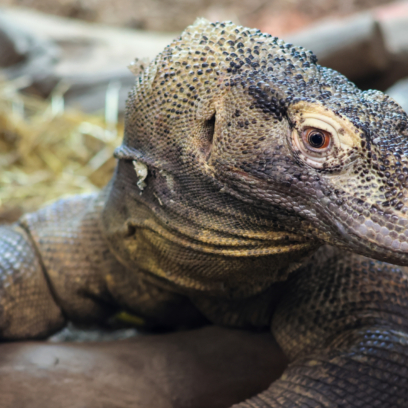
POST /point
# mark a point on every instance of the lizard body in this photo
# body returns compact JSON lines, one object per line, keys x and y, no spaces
{"x":252,"y":188}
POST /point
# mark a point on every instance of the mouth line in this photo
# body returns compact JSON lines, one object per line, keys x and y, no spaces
{"x":391,"y":250}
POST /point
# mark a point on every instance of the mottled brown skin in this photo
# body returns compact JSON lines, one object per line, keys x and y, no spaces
{"x":238,"y":221}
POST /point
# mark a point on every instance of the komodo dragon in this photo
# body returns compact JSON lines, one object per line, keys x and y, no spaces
{"x":251,"y":185}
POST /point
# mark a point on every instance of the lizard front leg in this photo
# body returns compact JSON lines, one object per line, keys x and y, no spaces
{"x":27,"y":305}
{"x":56,"y":266}
{"x":343,"y":324}
{"x":53,"y":266}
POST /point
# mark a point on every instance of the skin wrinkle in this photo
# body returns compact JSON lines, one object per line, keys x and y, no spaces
{"x":390,"y":372}
{"x":293,"y":384}
{"x":44,"y":273}
{"x":296,"y":398}
{"x":323,"y":383}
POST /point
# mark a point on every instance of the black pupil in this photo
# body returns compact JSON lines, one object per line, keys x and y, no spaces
{"x":316,"y":139}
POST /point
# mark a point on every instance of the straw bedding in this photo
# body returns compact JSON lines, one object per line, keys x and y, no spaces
{"x":47,"y":152}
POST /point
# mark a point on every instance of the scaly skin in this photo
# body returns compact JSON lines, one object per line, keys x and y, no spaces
{"x":240,"y":214}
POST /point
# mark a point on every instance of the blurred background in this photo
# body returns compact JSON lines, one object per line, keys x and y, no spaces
{"x":64,"y":77}
{"x":279,"y":16}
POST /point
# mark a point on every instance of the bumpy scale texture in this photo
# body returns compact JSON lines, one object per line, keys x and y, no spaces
{"x":242,"y":158}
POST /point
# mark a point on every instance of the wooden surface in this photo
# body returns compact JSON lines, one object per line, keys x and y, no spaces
{"x":201,"y":368}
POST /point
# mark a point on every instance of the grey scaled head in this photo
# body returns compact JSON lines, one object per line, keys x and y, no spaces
{"x":270,"y":126}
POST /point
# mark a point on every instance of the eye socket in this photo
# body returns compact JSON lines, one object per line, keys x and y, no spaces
{"x":321,"y":139}
{"x":316,"y":140}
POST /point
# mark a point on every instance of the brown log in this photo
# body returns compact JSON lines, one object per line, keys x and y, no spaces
{"x":399,"y":92}
{"x":90,"y":56}
{"x":209,"y":367}
{"x":354,"y":46}
{"x":393,"y":19}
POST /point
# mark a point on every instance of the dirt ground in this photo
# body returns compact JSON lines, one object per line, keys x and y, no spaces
{"x":273,"y":16}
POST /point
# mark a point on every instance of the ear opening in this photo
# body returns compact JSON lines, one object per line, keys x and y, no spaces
{"x":209,"y":129}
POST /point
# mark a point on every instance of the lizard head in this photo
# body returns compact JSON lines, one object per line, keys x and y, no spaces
{"x":268,"y":126}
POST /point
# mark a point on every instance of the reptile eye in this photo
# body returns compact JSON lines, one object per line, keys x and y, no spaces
{"x":316,"y":139}
{"x":321,"y":140}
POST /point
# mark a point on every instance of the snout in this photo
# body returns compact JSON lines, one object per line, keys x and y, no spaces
{"x":377,"y":234}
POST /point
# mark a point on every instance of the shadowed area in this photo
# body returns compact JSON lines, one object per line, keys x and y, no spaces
{"x":206,"y":367}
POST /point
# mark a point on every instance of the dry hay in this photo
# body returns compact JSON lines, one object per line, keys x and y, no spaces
{"x":47,"y":152}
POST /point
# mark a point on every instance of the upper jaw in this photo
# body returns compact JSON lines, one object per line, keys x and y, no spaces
{"x":382,"y":236}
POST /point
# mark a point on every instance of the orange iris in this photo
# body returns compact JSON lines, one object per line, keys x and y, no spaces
{"x":316,"y":139}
